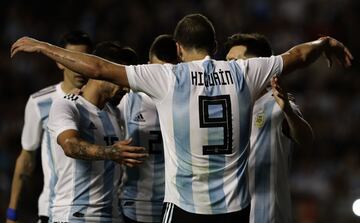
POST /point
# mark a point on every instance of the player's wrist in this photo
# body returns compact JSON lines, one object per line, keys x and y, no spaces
{"x":11,"y":214}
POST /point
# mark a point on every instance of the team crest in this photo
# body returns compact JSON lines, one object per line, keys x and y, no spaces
{"x":260,"y":119}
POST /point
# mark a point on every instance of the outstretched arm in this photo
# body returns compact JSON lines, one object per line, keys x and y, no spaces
{"x":89,"y":65}
{"x":304,"y":54}
{"x":120,"y":152}
{"x":297,"y":128}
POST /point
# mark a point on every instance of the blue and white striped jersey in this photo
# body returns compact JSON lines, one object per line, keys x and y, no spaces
{"x":205,"y":110}
{"x":142,"y":189}
{"x":35,"y":132}
{"x":85,"y":191}
{"x":269,"y":163}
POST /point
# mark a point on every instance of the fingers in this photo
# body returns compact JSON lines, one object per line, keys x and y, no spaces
{"x":348,"y":53}
{"x":341,"y":53}
{"x":15,"y":47}
{"x":131,"y":162}
{"x":124,"y":142}
{"x":133,"y":155}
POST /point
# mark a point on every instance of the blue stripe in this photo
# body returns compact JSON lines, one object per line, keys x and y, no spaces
{"x":82,"y":170}
{"x":215,"y":137}
{"x":109,"y":169}
{"x":158,"y":186}
{"x":44,"y":107}
{"x":181,"y":126}
{"x":262,"y":168}
{"x":53,"y":176}
{"x":133,"y":174}
{"x":245,"y":114}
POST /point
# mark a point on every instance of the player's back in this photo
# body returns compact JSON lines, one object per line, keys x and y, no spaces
{"x":205,"y":113}
{"x":85,"y":190}
{"x":35,"y":133}
{"x":206,"y":149}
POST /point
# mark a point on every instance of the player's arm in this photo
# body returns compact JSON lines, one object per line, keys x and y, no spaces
{"x":89,"y":65}
{"x":30,"y":140}
{"x":120,"y":152}
{"x":304,"y":54}
{"x":297,"y":128}
{"x":23,"y":170}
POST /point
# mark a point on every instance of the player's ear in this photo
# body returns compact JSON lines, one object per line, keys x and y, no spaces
{"x":60,"y":66}
{"x":215,"y":47}
{"x":179,"y":50}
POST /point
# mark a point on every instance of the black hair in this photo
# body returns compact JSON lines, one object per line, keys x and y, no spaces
{"x":76,"y":37}
{"x":164,"y":48}
{"x":256,"y":44}
{"x":197,"y":32}
{"x":113,"y":51}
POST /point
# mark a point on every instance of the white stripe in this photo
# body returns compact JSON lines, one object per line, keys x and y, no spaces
{"x":171,"y":213}
{"x":166,"y":213}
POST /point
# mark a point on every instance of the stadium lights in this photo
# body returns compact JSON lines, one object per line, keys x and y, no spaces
{"x":356,"y":207}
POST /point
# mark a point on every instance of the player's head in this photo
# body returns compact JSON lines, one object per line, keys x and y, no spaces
{"x":244,"y":46}
{"x":163,"y":50}
{"x":76,"y":41}
{"x":113,"y":51}
{"x":196,"y":33}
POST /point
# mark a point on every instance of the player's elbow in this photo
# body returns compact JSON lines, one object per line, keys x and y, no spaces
{"x":26,"y":161}
{"x":68,"y":148}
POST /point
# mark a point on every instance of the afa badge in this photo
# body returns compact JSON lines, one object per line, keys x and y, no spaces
{"x":260,"y":119}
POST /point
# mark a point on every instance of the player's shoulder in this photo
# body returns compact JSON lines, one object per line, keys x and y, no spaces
{"x":47,"y":92}
{"x":65,"y":103}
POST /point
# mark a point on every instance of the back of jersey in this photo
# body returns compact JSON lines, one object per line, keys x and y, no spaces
{"x":205,"y":115}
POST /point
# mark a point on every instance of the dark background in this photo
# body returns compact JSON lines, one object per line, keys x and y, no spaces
{"x":325,"y":178}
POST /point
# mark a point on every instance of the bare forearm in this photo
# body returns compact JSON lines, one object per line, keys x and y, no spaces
{"x":304,"y":54}
{"x":299,"y":129}
{"x":80,"y":149}
{"x":85,"y":64}
{"x":23,"y":169}
{"x":88,"y":65}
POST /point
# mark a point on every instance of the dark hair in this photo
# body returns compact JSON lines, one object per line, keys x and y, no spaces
{"x":196,"y":31}
{"x":76,"y":37}
{"x":256,"y":44}
{"x":164,"y":48}
{"x":113,"y":51}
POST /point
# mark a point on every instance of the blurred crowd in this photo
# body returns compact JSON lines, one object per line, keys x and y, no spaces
{"x":325,"y":178}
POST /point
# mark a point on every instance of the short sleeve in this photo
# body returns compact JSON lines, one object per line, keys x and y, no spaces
{"x":152,"y":79}
{"x":32,"y":130}
{"x":258,"y":72}
{"x":63,"y":116}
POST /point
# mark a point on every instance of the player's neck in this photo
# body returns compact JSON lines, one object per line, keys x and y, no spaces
{"x":93,"y":93}
{"x":192,"y":54}
{"x":67,"y":87}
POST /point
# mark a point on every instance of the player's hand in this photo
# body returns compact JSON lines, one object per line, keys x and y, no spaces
{"x":281,"y":97}
{"x":26,"y":44}
{"x":338,"y":52}
{"x":10,"y":221}
{"x":128,"y":155}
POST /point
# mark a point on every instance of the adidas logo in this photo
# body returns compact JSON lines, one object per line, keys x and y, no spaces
{"x":139,"y":118}
{"x":92,"y":126}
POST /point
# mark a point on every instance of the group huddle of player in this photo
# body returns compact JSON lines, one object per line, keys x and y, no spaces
{"x":185,"y":138}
